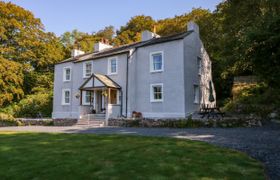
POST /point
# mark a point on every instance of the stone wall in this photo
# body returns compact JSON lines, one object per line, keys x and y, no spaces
{"x":34,"y":122}
{"x":185,"y":123}
{"x":64,"y":122}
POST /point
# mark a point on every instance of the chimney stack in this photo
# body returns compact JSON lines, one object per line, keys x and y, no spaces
{"x":192,"y":26}
{"x":76,"y":52}
{"x":147,"y":35}
{"x":102,"y":45}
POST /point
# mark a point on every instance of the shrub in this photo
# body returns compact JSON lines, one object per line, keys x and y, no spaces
{"x":31,"y":106}
{"x":259,"y":100}
{"x":8,"y":120}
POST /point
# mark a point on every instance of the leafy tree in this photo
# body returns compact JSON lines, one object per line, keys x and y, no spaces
{"x":106,"y":33}
{"x":265,"y":51}
{"x":22,"y":38}
{"x":131,"y":32}
{"x":85,"y":41}
{"x":69,"y":40}
{"x":24,"y":48}
{"x":178,"y":24}
{"x":11,"y":81}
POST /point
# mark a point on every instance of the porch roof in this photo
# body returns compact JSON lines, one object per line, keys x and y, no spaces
{"x":97,"y":81}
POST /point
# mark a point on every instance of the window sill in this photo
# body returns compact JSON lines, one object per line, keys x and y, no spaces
{"x":66,"y":81}
{"x":65,"y":104}
{"x":112,"y":74}
{"x":157,"y":71}
{"x":114,"y":104}
{"x":156,"y":101}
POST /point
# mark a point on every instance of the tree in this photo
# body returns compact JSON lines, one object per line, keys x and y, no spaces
{"x":85,"y":41}
{"x":106,"y":33}
{"x":69,"y":40}
{"x":24,"y":48}
{"x":131,"y":32}
{"x":178,"y":24}
{"x":22,"y":38}
{"x":265,"y":51}
{"x":11,"y":81}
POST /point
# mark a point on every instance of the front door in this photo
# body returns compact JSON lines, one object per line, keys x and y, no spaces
{"x":100,"y":105}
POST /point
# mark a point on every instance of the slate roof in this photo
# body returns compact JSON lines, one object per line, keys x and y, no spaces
{"x":125,"y":48}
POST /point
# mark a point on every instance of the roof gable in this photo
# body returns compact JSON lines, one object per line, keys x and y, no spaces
{"x":99,"y":81}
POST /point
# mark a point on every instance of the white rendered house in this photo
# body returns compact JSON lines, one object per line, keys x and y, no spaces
{"x":161,"y":77}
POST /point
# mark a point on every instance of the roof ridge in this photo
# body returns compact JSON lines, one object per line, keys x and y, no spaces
{"x":123,"y":48}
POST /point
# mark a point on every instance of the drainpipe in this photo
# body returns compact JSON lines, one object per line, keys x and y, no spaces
{"x":126,"y":88}
{"x":121,"y":103}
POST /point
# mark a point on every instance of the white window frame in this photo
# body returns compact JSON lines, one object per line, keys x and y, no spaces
{"x":64,"y":74}
{"x":199,"y":65}
{"x":152,"y":63}
{"x":152,"y":92}
{"x":84,"y":98}
{"x":110,"y":64}
{"x":63,"y":97}
{"x":196,"y":94}
{"x":84,"y":69}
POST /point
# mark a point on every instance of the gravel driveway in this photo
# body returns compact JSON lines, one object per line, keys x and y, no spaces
{"x":261,"y":143}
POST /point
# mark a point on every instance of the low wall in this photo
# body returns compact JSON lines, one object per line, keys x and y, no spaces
{"x":64,"y":122}
{"x":34,"y":122}
{"x":38,"y":122}
{"x":185,"y":123}
{"x":113,"y":110}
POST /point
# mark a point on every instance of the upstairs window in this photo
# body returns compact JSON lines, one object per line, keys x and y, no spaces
{"x":87,"y":69}
{"x":156,"y":62}
{"x":66,"y":96}
{"x":156,"y":93}
{"x":67,"y":74}
{"x":112,"y":66}
{"x":199,"y":65}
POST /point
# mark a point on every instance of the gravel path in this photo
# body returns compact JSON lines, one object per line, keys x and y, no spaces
{"x":261,"y":143}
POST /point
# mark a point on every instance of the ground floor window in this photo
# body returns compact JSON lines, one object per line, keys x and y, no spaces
{"x":113,"y":96}
{"x":196,"y":93}
{"x":156,"y":93}
{"x":87,"y":97}
{"x":66,"y":96}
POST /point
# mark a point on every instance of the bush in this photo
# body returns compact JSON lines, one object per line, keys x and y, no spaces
{"x":8,"y":120}
{"x":31,"y":106}
{"x":259,"y":100}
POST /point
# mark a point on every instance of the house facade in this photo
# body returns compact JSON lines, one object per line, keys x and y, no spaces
{"x":161,"y":77}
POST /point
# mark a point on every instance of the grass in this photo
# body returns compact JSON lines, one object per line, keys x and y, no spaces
{"x":88,"y":156}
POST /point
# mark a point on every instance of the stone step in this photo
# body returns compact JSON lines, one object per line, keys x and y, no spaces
{"x":93,"y":116}
{"x":83,"y":122}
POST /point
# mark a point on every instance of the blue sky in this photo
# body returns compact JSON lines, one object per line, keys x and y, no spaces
{"x":92,"y":15}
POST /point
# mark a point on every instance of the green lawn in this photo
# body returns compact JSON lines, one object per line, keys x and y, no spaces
{"x":88,"y":156}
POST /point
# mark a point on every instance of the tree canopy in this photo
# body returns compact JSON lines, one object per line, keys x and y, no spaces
{"x":24,"y":47}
